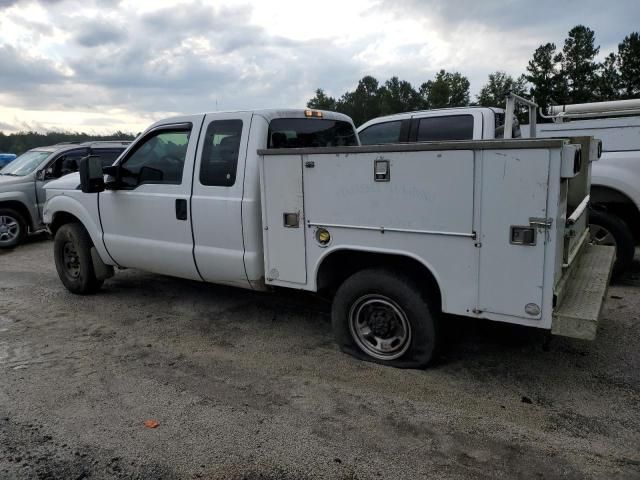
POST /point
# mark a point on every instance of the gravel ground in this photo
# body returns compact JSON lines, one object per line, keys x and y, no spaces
{"x":250,"y":386}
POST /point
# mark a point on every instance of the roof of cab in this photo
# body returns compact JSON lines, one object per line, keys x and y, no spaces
{"x":58,"y":147}
{"x":405,"y":115}
{"x":268,"y":114}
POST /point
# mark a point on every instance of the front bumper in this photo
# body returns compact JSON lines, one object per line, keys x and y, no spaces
{"x":582,"y":291}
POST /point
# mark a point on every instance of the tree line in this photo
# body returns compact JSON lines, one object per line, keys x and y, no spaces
{"x":20,"y":142}
{"x":553,"y":76}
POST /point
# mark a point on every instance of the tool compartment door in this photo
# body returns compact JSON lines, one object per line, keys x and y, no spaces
{"x":514,"y":191}
{"x":283,"y":219}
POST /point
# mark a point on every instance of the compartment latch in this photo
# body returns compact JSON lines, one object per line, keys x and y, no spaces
{"x":538,"y":222}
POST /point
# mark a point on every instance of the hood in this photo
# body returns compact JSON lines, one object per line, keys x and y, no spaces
{"x":8,"y":181}
{"x":68,"y":182}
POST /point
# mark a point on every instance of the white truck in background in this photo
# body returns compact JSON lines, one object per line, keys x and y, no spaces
{"x":615,"y":179}
{"x":393,"y":234}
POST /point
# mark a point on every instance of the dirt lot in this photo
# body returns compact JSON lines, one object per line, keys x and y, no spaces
{"x":251,"y":386}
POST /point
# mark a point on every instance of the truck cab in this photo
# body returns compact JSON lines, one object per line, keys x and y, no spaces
{"x":184,"y":198}
{"x":463,"y":123}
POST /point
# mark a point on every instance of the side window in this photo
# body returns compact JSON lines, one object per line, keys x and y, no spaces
{"x":450,"y":127}
{"x":220,"y":153}
{"x":66,"y":163}
{"x":159,"y":158}
{"x":388,"y":132}
{"x":107,"y":157}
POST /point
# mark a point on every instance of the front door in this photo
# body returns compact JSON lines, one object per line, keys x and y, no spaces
{"x":147,"y":221}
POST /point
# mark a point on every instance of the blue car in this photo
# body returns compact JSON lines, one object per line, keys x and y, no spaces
{"x":6,"y":158}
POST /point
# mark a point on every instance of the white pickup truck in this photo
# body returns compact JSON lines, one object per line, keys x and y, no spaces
{"x":394,"y":234}
{"x":615,"y":179}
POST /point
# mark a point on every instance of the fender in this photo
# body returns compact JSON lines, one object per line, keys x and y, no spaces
{"x":64,"y":203}
{"x":379,"y":251}
{"x":613,"y":172}
{"x":23,"y":198}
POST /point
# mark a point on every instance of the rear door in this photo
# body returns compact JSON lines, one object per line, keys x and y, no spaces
{"x":514,"y":188}
{"x":146,"y":221}
{"x":216,"y":204}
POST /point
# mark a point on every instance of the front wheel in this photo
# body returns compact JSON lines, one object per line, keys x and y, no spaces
{"x":607,"y":229}
{"x":382,"y":316}
{"x":72,"y":252}
{"x":13,"y":228}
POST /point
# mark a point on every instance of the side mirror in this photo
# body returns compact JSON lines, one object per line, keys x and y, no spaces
{"x":91,"y":175}
{"x":41,"y":175}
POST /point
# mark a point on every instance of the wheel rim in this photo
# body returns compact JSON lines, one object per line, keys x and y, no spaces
{"x":9,"y":229}
{"x":380,"y":327}
{"x":601,"y":236}
{"x":71,"y":260}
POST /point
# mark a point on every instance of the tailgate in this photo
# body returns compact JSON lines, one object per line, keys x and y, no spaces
{"x":581,"y":292}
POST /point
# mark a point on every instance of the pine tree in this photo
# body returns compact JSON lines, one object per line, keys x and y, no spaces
{"x":579,"y":65}
{"x":500,"y":84}
{"x":398,"y":96}
{"x":608,"y":79}
{"x":629,"y":65}
{"x":321,"y":101}
{"x":542,"y":73}
{"x":446,"y":90}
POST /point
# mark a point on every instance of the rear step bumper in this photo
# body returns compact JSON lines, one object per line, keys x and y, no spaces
{"x":580,"y":304}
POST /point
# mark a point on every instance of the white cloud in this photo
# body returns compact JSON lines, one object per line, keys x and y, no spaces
{"x":75,"y":64}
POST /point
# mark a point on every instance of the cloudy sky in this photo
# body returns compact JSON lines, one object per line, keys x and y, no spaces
{"x":100,"y":66}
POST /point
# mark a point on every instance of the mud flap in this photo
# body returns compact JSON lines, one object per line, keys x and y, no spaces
{"x":102,"y":270}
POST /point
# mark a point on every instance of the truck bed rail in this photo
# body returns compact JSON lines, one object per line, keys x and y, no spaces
{"x":423,"y":146}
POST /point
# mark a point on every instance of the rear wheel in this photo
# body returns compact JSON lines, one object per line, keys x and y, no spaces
{"x":13,"y":228}
{"x":607,"y":229}
{"x":382,"y":316}
{"x":72,"y":252}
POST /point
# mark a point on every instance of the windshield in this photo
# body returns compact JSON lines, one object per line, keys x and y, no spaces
{"x":306,"y":132}
{"x":25,"y":163}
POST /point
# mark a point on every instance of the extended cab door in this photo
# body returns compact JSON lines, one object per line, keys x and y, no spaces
{"x":146,"y":220}
{"x":217,"y":199}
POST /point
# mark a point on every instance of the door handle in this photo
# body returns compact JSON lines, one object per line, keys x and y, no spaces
{"x":181,"y":209}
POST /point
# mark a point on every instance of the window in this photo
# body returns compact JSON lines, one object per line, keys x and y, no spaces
{"x":450,"y":127}
{"x":220,"y":153}
{"x":107,"y":157}
{"x":310,"y":132}
{"x":380,"y":133}
{"x":25,"y":163}
{"x":66,"y":163}
{"x":159,"y":158}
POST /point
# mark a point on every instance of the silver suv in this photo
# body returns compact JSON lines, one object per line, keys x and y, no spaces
{"x":22,"y":183}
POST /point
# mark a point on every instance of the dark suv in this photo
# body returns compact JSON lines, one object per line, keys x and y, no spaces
{"x":22,"y":183}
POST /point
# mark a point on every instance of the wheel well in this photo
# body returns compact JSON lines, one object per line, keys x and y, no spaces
{"x":60,"y":219}
{"x":618,"y":204}
{"x":21,"y":208}
{"x":341,"y":264}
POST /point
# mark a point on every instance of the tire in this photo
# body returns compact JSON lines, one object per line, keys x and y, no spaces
{"x":607,"y":229}
{"x":72,"y":252}
{"x":13,"y":228}
{"x":382,"y":316}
